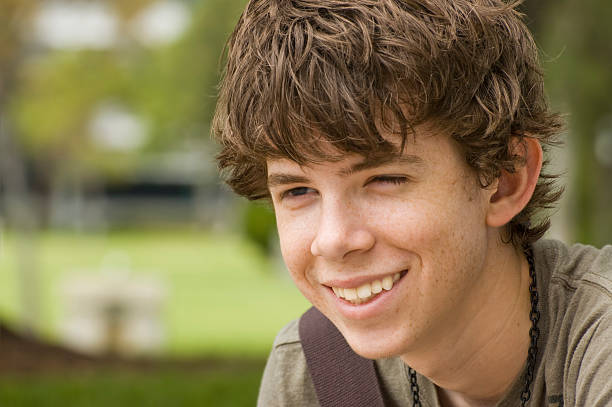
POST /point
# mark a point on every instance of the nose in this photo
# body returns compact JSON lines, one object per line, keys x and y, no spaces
{"x":340,"y":232}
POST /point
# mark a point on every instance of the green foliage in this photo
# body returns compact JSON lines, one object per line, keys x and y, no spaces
{"x":259,"y":225}
{"x":53,"y":107}
{"x":579,"y":73}
{"x":177,"y":84}
{"x":171,"y":87}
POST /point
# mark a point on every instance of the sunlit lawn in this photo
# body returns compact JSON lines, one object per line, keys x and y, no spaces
{"x":223,"y":295}
{"x":112,"y":388}
{"x":224,"y":298}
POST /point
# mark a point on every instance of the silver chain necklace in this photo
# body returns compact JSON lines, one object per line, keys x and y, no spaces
{"x":534,"y":333}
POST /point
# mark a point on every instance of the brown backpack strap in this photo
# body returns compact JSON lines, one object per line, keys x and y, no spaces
{"x":341,"y":377}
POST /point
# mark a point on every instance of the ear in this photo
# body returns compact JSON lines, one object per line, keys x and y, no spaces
{"x":514,"y":190}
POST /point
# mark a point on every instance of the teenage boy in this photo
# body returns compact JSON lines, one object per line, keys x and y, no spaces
{"x":401,"y":145}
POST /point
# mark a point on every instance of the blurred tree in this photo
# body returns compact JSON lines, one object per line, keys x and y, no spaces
{"x":580,"y":77}
{"x":536,"y":15}
{"x":54,"y":106}
{"x":259,"y":226}
{"x":18,"y":207}
{"x":177,"y":87}
{"x":171,"y":88}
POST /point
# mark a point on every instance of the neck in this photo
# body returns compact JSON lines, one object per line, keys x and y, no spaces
{"x":485,"y":347}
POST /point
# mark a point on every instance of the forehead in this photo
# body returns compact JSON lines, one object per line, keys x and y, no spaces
{"x":418,"y":153}
{"x":419,"y":140}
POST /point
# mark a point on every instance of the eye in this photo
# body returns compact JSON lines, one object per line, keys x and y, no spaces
{"x":296,"y":192}
{"x":389,"y":179}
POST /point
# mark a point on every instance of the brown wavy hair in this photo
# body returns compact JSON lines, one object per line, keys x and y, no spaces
{"x":303,"y":74}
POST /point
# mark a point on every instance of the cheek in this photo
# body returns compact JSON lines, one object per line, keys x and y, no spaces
{"x":433,"y":225}
{"x":449,"y":240}
{"x":295,"y":240}
{"x":295,"y":249}
{"x":416,"y":222}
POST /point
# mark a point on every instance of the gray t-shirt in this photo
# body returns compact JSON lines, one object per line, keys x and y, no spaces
{"x":574,"y":365}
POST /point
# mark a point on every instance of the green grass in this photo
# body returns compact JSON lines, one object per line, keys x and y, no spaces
{"x":116,"y":388}
{"x":223,"y":296}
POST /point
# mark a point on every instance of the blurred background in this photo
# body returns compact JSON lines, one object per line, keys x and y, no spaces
{"x":125,"y":264}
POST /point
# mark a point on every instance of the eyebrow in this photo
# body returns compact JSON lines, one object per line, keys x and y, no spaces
{"x":275,"y":180}
{"x":380,"y":161}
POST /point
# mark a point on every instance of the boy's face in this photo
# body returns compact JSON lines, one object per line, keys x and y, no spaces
{"x":349,"y":228}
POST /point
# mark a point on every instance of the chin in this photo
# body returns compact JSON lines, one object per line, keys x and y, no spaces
{"x":376,"y":345}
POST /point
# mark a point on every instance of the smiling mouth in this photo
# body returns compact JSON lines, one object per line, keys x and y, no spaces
{"x":368,"y":291}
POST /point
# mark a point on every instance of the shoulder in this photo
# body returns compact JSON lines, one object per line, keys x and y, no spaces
{"x":577,"y":293}
{"x":286,"y":380}
{"x":576,"y":285}
{"x":577,"y":268}
{"x":288,"y":335}
{"x":576,"y":262}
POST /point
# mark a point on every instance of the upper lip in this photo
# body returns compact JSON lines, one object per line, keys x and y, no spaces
{"x":356,"y":281}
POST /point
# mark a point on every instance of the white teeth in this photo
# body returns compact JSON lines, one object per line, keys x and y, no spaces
{"x":376,"y":286}
{"x":350,"y":294}
{"x":364,"y":292}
